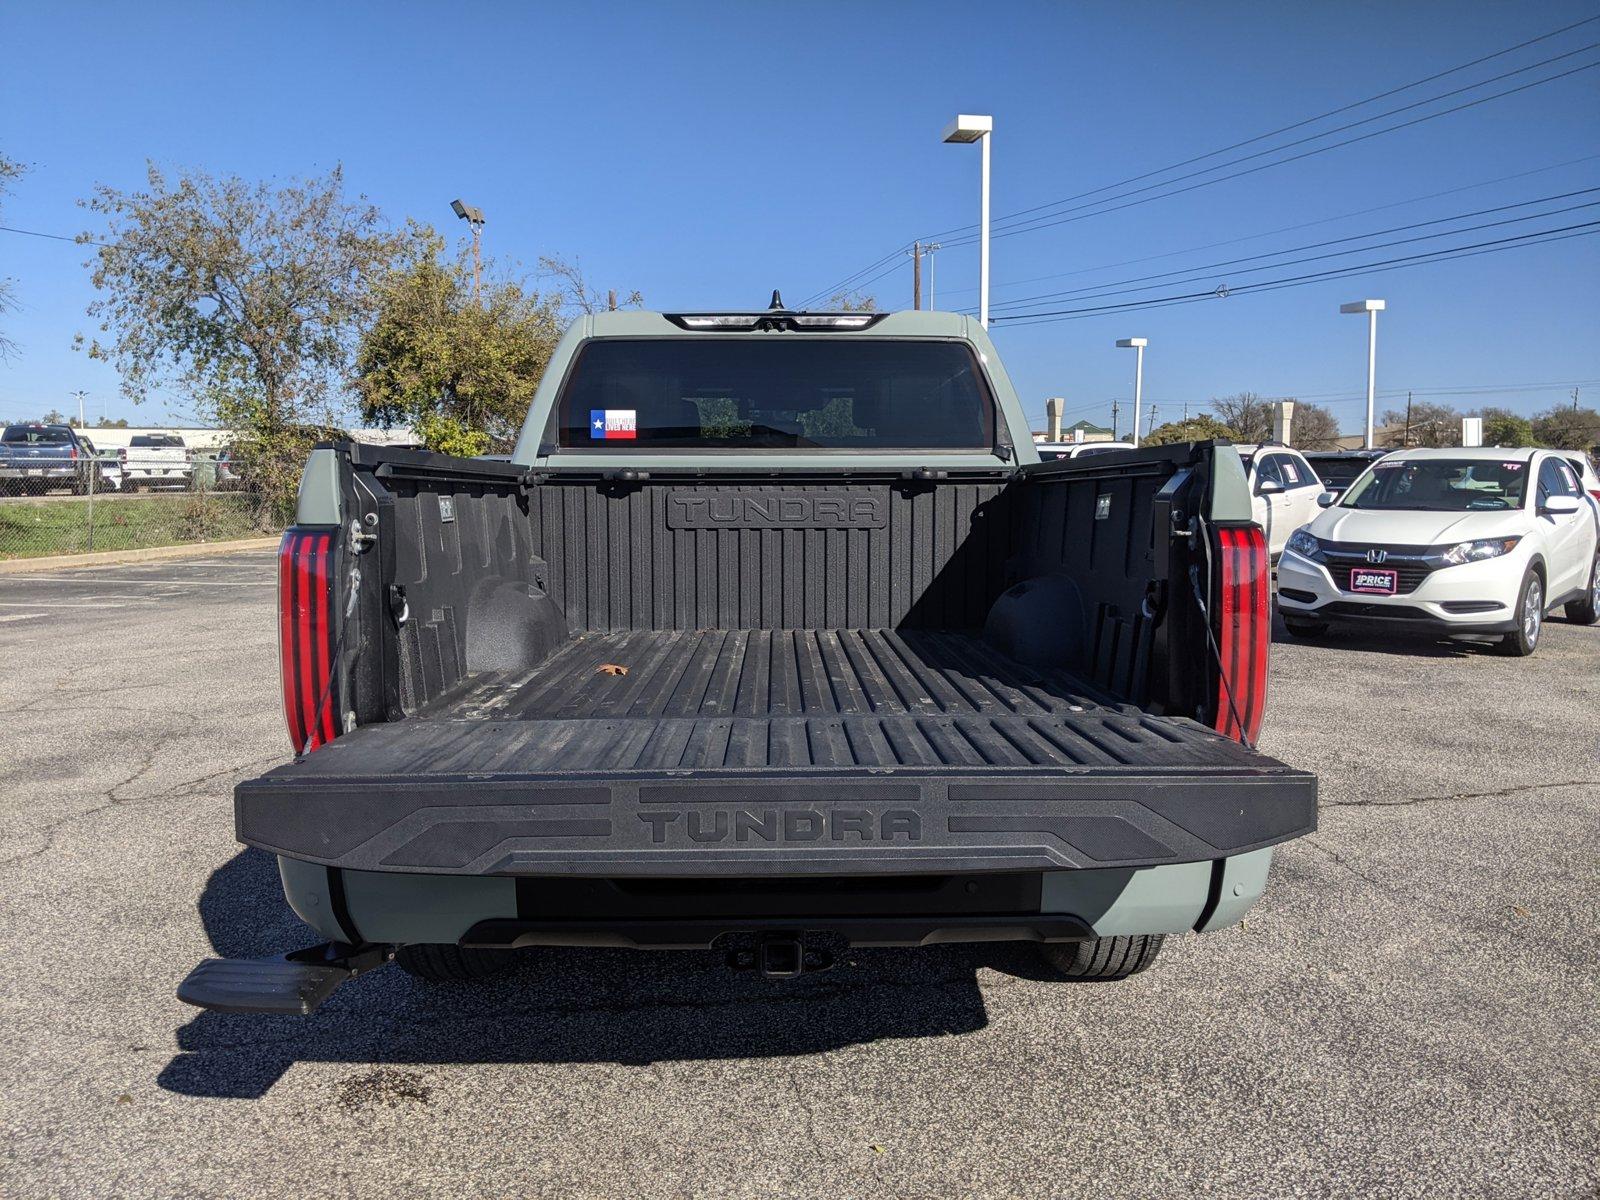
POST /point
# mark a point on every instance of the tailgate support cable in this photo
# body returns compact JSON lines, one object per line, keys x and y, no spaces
{"x":1204,"y":539}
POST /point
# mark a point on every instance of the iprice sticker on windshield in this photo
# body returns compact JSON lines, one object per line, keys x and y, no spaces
{"x":613,"y":423}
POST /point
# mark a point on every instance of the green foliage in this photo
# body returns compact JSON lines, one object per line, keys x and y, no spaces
{"x":1502,"y":427}
{"x":1195,"y":429}
{"x":461,"y":373}
{"x":1565,"y":428}
{"x":247,"y":297}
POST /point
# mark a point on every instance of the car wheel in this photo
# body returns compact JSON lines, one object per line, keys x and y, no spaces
{"x":1587,"y":610}
{"x":444,"y":963}
{"x":1529,"y":618}
{"x":1102,"y":958}
{"x":1300,"y":628}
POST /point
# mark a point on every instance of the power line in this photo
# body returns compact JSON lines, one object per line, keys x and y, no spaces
{"x":1063,"y":219}
{"x":1302,"y":123}
{"x":1583,"y":230}
{"x":1251,"y":237}
{"x":1027,"y":227}
{"x":55,"y":237}
{"x":1113,"y":289}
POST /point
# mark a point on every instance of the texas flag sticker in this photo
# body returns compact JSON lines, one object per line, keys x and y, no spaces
{"x":611,"y":423}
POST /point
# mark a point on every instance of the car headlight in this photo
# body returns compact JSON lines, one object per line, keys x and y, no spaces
{"x":1305,"y":544}
{"x":1479,"y":550}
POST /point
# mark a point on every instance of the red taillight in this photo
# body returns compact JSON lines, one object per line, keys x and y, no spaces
{"x":73,"y":454}
{"x":1595,"y":492}
{"x":1244,"y":629}
{"x":306,"y":637}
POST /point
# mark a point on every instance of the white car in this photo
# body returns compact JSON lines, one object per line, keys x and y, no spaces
{"x":1052,"y":451}
{"x":1479,"y":541}
{"x":1283,"y":491}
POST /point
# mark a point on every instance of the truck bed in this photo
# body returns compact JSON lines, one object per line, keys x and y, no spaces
{"x":748,"y":752}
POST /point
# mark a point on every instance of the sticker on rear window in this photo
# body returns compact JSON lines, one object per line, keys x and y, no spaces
{"x":1511,"y":466}
{"x":612,"y":423}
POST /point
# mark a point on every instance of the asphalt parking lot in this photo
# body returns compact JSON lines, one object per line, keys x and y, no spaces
{"x":1411,"y":1011}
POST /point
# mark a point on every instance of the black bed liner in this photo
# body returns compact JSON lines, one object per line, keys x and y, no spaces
{"x":755,"y":752}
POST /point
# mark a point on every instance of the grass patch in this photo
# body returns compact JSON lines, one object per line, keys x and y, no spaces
{"x":37,"y":528}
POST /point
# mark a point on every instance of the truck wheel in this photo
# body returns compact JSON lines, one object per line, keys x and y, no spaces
{"x":1304,"y":629}
{"x":445,"y":963}
{"x":1587,"y":610}
{"x":1103,"y":958}
{"x":1529,"y":616}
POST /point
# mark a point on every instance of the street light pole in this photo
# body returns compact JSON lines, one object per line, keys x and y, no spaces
{"x":1372,"y":308}
{"x":473,"y":216}
{"x":970,"y":128}
{"x":80,"y":394}
{"x":1137,"y":345}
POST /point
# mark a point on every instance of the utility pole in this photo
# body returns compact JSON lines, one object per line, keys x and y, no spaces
{"x":1152,"y":428}
{"x":1574,"y":399}
{"x":1407,"y":442}
{"x":916,"y":274}
{"x":1114,"y":409}
{"x":1185,"y":412}
{"x":928,"y":250}
{"x":611,"y":300}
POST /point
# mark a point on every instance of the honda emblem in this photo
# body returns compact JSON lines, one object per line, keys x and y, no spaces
{"x":1377,"y":556}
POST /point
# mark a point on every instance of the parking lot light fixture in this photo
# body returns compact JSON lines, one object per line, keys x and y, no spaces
{"x":1372,"y":308}
{"x":1137,"y":345}
{"x":473,"y":216}
{"x":970,"y":128}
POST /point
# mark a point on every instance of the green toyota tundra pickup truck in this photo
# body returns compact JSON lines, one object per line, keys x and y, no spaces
{"x":772,"y":636}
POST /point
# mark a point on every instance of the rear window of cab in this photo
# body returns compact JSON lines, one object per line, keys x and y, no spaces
{"x":774,"y":392}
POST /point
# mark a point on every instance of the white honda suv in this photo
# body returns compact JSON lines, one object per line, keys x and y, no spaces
{"x":1479,"y":541}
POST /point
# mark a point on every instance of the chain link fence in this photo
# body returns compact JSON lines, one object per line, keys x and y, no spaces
{"x":76,"y":507}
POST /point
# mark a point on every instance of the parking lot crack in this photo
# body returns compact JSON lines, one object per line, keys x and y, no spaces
{"x":1414,"y":801}
{"x":115,"y":796}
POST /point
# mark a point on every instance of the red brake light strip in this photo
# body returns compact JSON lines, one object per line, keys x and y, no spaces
{"x":306,"y":637}
{"x":1243,"y":631}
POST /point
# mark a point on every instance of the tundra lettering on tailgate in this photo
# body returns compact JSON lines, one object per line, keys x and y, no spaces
{"x":776,"y":510}
{"x":788,"y":825}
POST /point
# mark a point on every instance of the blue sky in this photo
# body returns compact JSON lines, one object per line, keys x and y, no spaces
{"x":708,"y":153}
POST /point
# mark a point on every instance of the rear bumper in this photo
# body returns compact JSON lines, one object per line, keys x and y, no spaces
{"x":739,"y":824}
{"x":904,"y":910}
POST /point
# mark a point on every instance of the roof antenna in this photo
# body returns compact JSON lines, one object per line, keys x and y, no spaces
{"x":777,"y":302}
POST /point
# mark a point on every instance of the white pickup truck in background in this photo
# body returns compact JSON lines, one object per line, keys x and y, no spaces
{"x":155,"y":460}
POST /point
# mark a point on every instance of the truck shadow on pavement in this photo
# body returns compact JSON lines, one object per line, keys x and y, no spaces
{"x":563,"y":1005}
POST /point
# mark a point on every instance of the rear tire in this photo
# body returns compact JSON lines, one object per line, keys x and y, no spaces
{"x":1529,"y":615}
{"x":1587,"y":610}
{"x":441,"y":963}
{"x":1103,"y":958}
{"x":1305,"y":629}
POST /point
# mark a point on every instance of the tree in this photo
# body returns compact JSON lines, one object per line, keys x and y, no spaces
{"x":246,"y":296}
{"x":1568,"y":428}
{"x":574,"y":293}
{"x":1195,"y":429}
{"x":460,"y":373}
{"x":851,"y":302}
{"x":1313,"y":427}
{"x":1428,"y":425}
{"x":1247,"y":414}
{"x":1502,"y":427}
{"x":10,"y":172}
